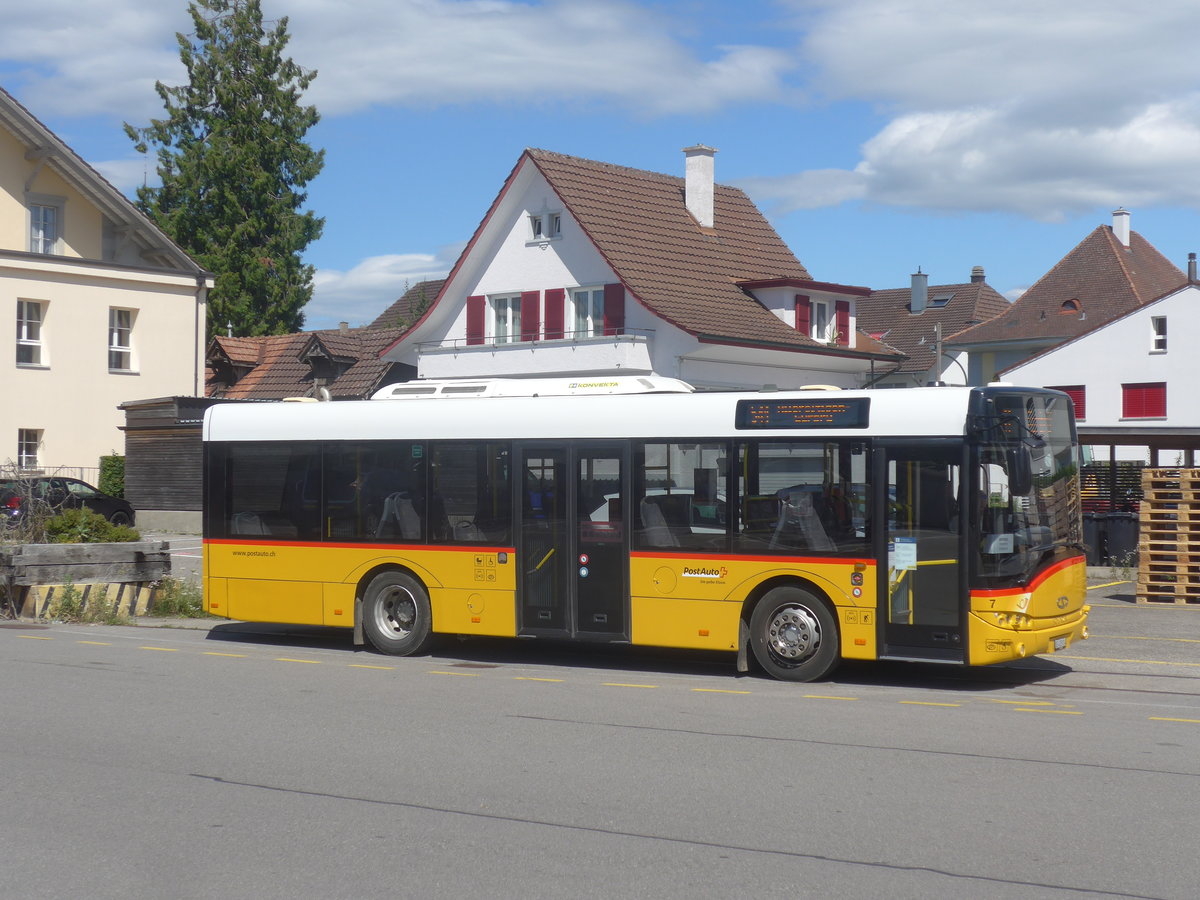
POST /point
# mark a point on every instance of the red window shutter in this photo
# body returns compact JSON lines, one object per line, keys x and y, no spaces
{"x":556,"y":299}
{"x":530,"y":304}
{"x":1078,"y":395}
{"x":842,"y":320}
{"x":614,"y":309}
{"x":476,"y":308}
{"x":1147,"y":400}
{"x":803,"y":314}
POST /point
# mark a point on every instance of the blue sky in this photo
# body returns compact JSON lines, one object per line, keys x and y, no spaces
{"x":876,"y":135}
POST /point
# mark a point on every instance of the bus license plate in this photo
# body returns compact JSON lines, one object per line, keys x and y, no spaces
{"x":1060,"y":643}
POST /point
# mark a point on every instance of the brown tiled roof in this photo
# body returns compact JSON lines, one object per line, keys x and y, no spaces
{"x":283,"y":372}
{"x":1107,"y":279}
{"x":682,"y":272}
{"x":886,"y":314}
{"x":241,"y":351}
{"x":400,"y":313}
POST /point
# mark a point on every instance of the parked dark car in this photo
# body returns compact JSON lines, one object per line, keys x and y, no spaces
{"x":58,"y":493}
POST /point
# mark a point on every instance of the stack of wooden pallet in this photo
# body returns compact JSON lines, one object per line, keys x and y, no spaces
{"x":1169,"y":538}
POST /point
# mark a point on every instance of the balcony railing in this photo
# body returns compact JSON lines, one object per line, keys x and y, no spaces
{"x":578,"y":352}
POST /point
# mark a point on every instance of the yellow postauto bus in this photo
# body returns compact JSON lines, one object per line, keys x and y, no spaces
{"x":791,"y":529}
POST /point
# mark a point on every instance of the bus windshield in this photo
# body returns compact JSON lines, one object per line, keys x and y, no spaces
{"x":1028,"y":495}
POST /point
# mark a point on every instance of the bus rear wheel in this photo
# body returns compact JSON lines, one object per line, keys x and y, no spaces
{"x":794,"y":635}
{"x":396,"y":617}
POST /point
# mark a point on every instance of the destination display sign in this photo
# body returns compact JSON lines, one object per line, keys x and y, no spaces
{"x":853,"y":412}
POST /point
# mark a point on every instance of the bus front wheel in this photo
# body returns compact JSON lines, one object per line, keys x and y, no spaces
{"x":793,"y":635}
{"x":396,"y":618}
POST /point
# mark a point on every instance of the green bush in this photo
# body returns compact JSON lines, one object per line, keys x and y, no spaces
{"x":82,"y":526}
{"x":69,"y":606}
{"x":112,"y":475}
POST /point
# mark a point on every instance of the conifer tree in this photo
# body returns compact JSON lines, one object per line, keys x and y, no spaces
{"x":234,"y":164}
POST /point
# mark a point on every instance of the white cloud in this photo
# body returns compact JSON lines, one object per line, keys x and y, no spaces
{"x":1043,"y":109}
{"x":360,"y":294}
{"x":423,"y":52}
{"x":73,"y":58}
{"x":806,"y":190}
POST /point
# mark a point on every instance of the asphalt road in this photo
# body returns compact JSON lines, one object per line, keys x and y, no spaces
{"x":247,"y":760}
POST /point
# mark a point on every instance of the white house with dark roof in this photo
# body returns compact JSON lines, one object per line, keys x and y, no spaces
{"x":103,"y":306}
{"x":1133,"y":379}
{"x":582,"y":268}
{"x":1111,"y":272}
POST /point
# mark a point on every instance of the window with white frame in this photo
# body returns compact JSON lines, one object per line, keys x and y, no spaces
{"x":545,"y":226}
{"x":506,"y":318}
{"x":30,"y":314}
{"x":1158,"y":326}
{"x":120,"y":340}
{"x":28,"y":442}
{"x":45,"y":223}
{"x":589,"y":311}
{"x":823,"y":321}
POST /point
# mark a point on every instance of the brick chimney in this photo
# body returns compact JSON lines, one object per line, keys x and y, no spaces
{"x":698,"y":183}
{"x":1120,"y":226}
{"x":977,"y":275}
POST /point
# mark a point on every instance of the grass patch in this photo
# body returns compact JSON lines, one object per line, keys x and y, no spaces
{"x":70,"y":605}
{"x":175,"y":599}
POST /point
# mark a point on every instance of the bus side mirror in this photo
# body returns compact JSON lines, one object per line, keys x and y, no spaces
{"x":1020,"y":471}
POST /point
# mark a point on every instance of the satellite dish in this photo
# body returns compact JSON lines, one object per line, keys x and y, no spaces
{"x":320,"y":393}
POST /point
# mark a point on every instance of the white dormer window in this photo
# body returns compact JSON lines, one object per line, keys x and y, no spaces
{"x":822,"y":321}
{"x":45,"y":223}
{"x":535,"y":227}
{"x":555,"y":225}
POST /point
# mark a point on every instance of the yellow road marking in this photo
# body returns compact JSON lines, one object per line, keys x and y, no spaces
{"x":363,"y":666}
{"x":618,"y":684}
{"x":161,"y":649}
{"x":717,"y":691}
{"x":1022,"y":702}
{"x":1096,"y":587}
{"x":234,"y":655}
{"x":531,"y":678}
{"x":1165,"y":719}
{"x":927,"y":703}
{"x":825,"y":697}
{"x":314,"y":662}
{"x":1145,"y":662}
{"x":96,"y":643}
{"x":459,"y":674}
{"x":1056,"y":712}
{"x":35,"y":637}
{"x":1138,"y":637}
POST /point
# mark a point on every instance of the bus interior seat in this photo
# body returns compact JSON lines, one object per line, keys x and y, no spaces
{"x":798,"y":518}
{"x":654,"y":526}
{"x":248,"y":523}
{"x":399,"y":513}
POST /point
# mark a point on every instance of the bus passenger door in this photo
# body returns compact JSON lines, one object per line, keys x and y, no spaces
{"x":602,"y":543}
{"x":543,"y":552}
{"x":573,"y":549}
{"x":921,"y":594}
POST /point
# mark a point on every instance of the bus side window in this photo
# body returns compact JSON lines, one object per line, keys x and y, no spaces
{"x":470,"y":500}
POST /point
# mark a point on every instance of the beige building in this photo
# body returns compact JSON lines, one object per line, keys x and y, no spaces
{"x":104,"y":308}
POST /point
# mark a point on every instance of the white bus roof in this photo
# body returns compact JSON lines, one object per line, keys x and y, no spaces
{"x":421,"y":389}
{"x":916,"y":412}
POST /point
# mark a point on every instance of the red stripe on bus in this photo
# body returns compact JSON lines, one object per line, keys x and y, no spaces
{"x":737,"y":557}
{"x":1033,"y":585}
{"x":472,"y":548}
